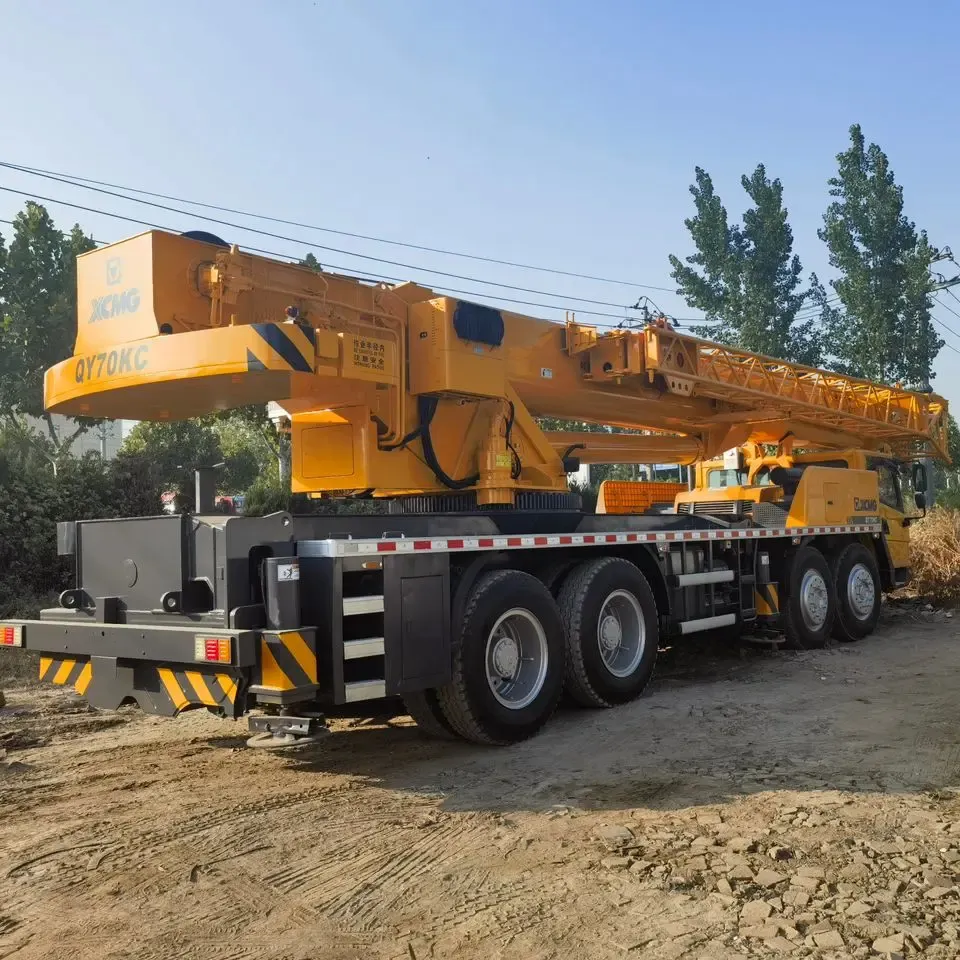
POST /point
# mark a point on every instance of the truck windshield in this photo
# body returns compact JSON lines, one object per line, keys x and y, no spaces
{"x":726,"y":478}
{"x":888,"y":481}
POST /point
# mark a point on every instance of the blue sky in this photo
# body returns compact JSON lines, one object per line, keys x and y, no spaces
{"x":556,"y":133}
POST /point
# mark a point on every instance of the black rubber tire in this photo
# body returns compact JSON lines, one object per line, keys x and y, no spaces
{"x":799,"y":635}
{"x":847,"y":627}
{"x":467,"y":701}
{"x":588,"y":682}
{"x":424,"y":709}
{"x":554,"y":573}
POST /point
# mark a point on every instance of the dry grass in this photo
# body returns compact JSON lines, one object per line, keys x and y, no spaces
{"x":935,"y":555}
{"x":18,"y":668}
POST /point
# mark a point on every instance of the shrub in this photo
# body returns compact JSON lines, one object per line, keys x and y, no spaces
{"x":265,"y":496}
{"x":33,"y":500}
{"x":268,"y":495}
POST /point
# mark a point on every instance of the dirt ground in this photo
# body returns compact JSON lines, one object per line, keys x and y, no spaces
{"x":752,"y":803}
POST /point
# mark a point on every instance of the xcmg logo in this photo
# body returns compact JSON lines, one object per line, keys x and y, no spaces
{"x":114,"y":271}
{"x":867,"y":506}
{"x":115,"y":305}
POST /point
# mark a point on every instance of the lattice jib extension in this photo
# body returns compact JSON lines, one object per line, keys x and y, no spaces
{"x":774,"y":389}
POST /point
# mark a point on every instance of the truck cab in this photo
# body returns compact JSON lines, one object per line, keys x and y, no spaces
{"x":771,"y":487}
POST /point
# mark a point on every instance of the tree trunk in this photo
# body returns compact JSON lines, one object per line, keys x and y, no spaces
{"x":283,"y":461}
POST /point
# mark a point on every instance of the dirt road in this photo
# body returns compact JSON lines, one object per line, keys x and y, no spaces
{"x":752,"y":803}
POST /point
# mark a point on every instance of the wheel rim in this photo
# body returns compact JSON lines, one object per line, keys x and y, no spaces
{"x":814,"y":600}
{"x":861,"y":592}
{"x":621,"y":633}
{"x":516,"y":659}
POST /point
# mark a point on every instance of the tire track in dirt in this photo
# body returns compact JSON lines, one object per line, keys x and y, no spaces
{"x":151,"y":864}
{"x":371,"y":864}
{"x":217,"y":911}
{"x":382,"y":846}
{"x":239,"y":816}
{"x":385,"y":877}
{"x":511,"y":907}
{"x":309,"y":872}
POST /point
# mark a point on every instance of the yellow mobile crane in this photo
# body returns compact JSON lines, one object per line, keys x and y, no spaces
{"x":486,"y":590}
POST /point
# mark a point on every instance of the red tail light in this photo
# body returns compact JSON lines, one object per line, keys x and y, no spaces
{"x":11,"y":636}
{"x":213,"y":649}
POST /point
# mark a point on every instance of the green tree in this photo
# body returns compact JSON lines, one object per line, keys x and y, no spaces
{"x":242,"y":440}
{"x":946,"y":477}
{"x":136,"y":484}
{"x":176,"y":450}
{"x":746,"y":278}
{"x":252,"y":427}
{"x":266,"y":496}
{"x":249,"y":452}
{"x":4,"y":296}
{"x":878,"y":325}
{"x":38,"y":317}
{"x":33,"y":499}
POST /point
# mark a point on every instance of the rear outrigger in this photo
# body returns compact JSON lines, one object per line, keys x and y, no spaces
{"x":485,"y":591}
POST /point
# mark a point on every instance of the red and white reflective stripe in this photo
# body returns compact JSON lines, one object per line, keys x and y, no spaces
{"x":349,"y":548}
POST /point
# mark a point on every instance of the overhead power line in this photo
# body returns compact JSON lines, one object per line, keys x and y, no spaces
{"x":946,"y":306}
{"x":811,"y":311}
{"x":945,"y":326}
{"x":625,"y":318}
{"x":108,"y":188}
{"x":342,"y":233}
{"x":349,"y":271}
{"x":363,"y":275}
{"x":814,"y":313}
{"x":947,"y":343}
{"x":86,"y":184}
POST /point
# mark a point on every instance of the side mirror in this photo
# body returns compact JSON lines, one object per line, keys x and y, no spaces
{"x":919,"y":477}
{"x":920,"y":499}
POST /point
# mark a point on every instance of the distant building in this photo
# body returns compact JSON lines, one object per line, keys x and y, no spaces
{"x":104,"y":438}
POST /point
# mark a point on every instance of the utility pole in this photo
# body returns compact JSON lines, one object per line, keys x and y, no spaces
{"x":943,"y":283}
{"x":940,"y":283}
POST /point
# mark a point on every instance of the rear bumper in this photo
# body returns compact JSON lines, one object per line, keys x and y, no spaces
{"x":157,"y":667}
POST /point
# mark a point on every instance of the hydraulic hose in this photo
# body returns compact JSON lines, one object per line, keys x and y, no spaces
{"x":427,"y":407}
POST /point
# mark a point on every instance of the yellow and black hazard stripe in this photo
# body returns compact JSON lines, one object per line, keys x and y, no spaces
{"x":166,"y":690}
{"x":191,"y":688}
{"x":766,"y":599}
{"x":288,"y":661}
{"x":293,"y":344}
{"x":67,"y":671}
